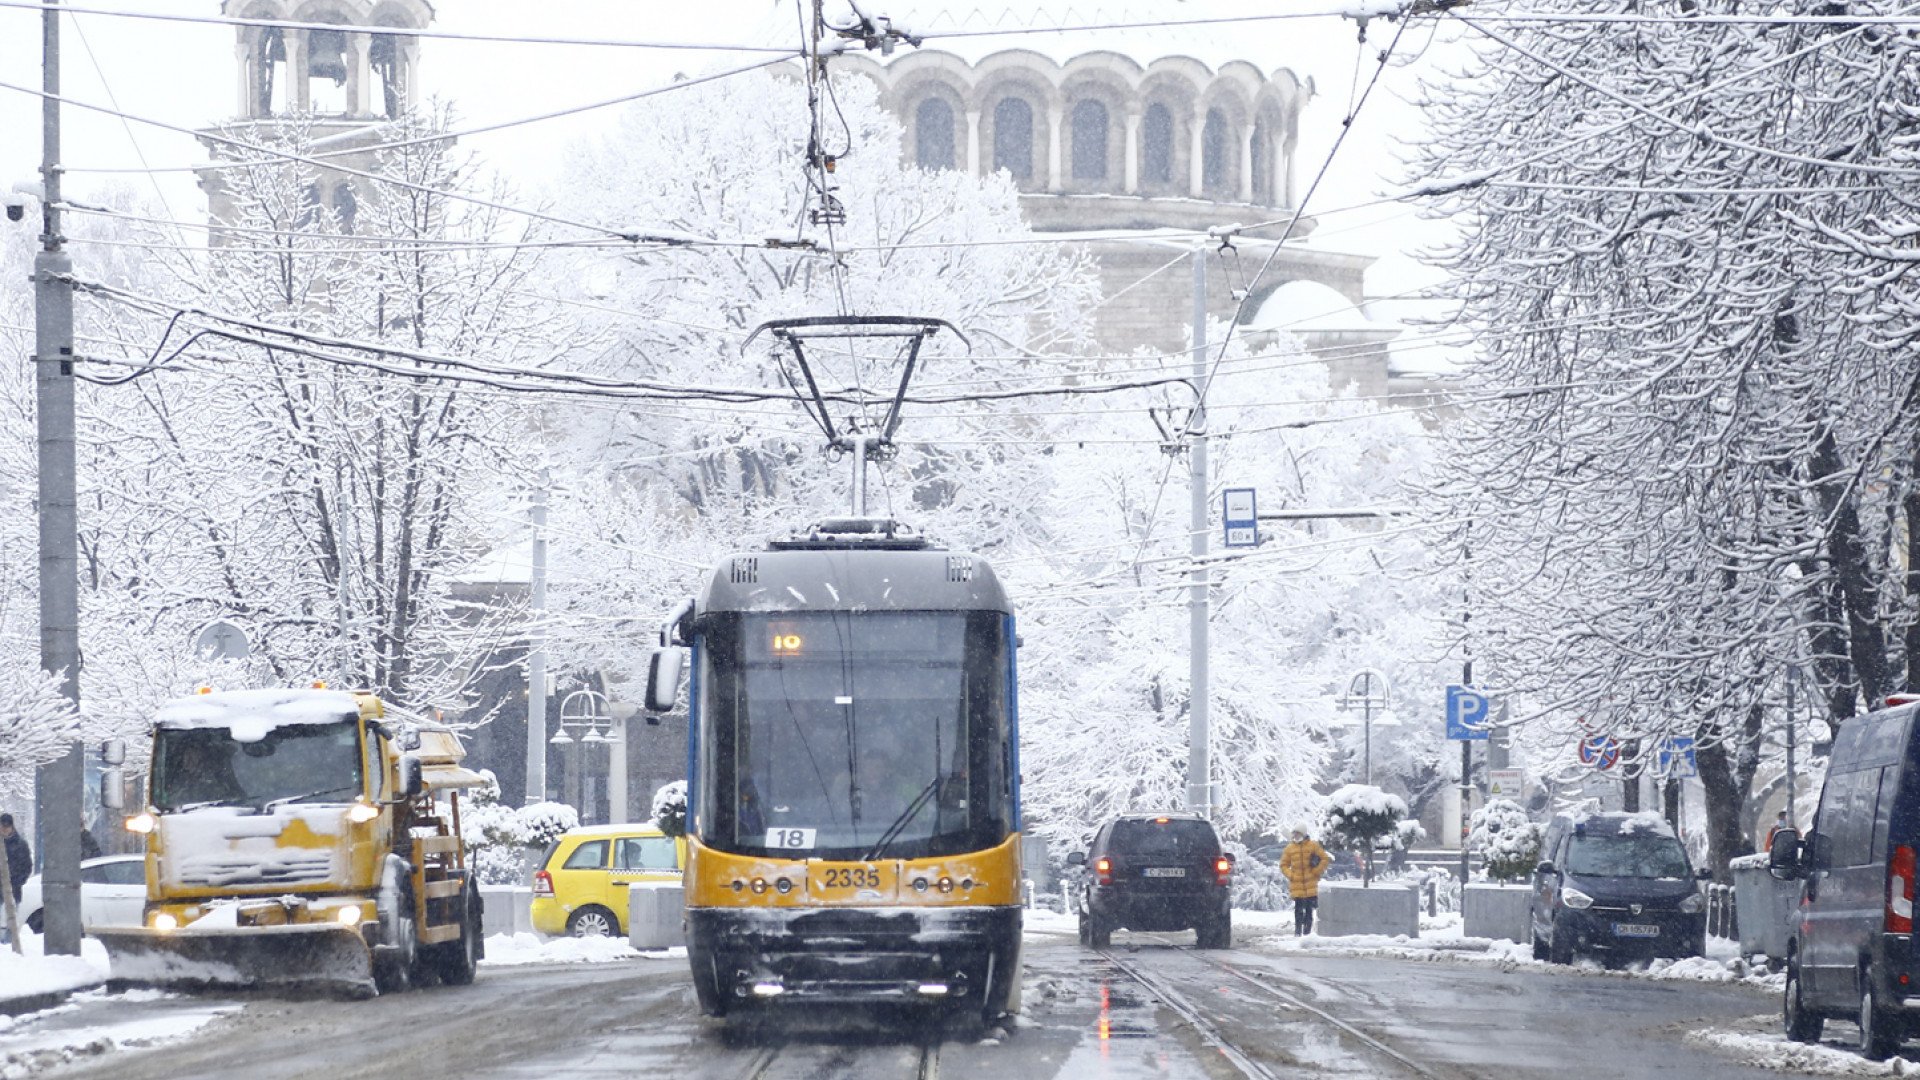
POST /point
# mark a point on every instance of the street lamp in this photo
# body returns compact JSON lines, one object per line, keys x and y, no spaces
{"x":1367,"y":688}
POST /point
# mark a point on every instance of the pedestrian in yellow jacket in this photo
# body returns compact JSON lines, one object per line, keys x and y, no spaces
{"x":1303,"y":862}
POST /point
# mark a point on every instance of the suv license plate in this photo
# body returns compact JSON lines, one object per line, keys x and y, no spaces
{"x":1166,"y":871}
{"x":1637,"y":930}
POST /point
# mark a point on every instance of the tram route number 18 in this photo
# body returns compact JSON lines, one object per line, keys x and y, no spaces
{"x":790,"y":838}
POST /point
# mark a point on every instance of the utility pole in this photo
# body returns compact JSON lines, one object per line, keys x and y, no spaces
{"x":537,"y":649}
{"x":1466,"y":745}
{"x":1199,"y":767}
{"x":60,"y":784}
{"x":1793,"y":788}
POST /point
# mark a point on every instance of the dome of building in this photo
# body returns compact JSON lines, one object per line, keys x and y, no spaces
{"x":1309,"y":307}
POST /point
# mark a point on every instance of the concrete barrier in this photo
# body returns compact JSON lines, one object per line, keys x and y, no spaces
{"x":1488,"y":910}
{"x":1347,"y":909}
{"x":506,"y":909}
{"x":1767,"y":908}
{"x":656,"y":914}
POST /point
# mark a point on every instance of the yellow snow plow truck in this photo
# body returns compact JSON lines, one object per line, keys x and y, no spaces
{"x":302,"y":839}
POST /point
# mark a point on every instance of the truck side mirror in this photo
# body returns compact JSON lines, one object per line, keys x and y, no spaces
{"x":113,"y":752}
{"x":411,"y":783}
{"x":663,"y":678}
{"x":1783,"y":855}
{"x":1077,"y":858}
{"x":113,"y":789}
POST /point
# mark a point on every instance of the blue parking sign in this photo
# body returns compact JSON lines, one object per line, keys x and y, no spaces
{"x":1467,"y":713}
{"x":1674,"y":759}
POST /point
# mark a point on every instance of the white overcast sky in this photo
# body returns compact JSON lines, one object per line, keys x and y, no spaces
{"x":186,"y":74}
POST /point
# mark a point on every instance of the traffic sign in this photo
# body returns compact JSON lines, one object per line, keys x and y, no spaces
{"x":1600,"y":751}
{"x":1239,"y":516}
{"x":1507,"y":784}
{"x":1466,"y":713}
{"x":1674,"y":759}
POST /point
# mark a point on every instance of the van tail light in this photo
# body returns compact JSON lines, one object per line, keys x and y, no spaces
{"x":1222,"y":871}
{"x":1103,"y":870}
{"x":542,"y":883}
{"x":1900,"y":891}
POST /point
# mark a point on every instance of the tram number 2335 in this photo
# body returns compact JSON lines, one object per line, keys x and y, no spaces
{"x":850,"y":877}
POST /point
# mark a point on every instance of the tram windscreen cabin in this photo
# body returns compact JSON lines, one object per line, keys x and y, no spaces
{"x":854,"y":735}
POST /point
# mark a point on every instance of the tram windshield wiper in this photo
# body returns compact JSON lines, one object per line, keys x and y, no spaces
{"x":900,"y":823}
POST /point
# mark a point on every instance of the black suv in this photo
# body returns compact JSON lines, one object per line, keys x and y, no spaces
{"x":1617,"y":886}
{"x":1156,"y":872}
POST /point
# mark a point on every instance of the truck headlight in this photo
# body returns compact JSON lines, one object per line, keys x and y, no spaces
{"x":1694,"y":904}
{"x":139,"y":823}
{"x":164,"y":921}
{"x":1575,"y":899}
{"x":361,"y":813}
{"x":348,"y":916}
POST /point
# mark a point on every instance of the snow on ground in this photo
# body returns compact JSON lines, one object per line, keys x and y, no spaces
{"x":38,"y":1041}
{"x":510,"y":950}
{"x":1772,"y":1050}
{"x":33,"y":973}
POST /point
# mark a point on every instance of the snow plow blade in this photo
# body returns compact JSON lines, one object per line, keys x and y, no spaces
{"x":316,"y":958}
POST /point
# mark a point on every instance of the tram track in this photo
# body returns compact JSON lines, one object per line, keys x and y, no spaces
{"x":1210,"y":1032}
{"x":763,"y":1063}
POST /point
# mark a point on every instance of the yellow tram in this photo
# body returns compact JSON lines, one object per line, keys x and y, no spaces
{"x":853,"y":808}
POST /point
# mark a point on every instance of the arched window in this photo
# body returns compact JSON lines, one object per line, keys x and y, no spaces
{"x":327,"y":60}
{"x":1089,"y":140}
{"x":1156,"y":165}
{"x":1263,"y":164}
{"x":1013,"y":137}
{"x":1214,"y":153}
{"x":384,"y":62}
{"x":345,"y":206}
{"x":933,"y":134}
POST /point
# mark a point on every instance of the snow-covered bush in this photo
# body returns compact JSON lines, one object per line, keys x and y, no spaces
{"x":1259,"y":886}
{"x":1358,"y":815}
{"x":670,"y":808}
{"x":499,"y":837}
{"x":1502,"y":834}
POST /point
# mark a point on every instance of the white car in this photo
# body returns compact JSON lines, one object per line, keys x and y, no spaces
{"x":113,"y":892}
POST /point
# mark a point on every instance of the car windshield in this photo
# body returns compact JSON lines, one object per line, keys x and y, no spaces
{"x":841,"y":734}
{"x":291,"y":763}
{"x":1170,"y":839}
{"x":1644,"y":855}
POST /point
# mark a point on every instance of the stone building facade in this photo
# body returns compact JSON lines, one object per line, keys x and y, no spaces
{"x":345,"y":84}
{"x":1139,"y":151}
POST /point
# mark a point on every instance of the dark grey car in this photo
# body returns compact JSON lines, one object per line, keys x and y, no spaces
{"x":1615,"y":886}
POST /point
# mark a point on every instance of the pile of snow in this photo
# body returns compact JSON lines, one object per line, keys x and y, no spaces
{"x":512,"y":950}
{"x":52,"y":1037}
{"x":1776,"y":1052}
{"x":32,"y":973}
{"x":251,"y":715}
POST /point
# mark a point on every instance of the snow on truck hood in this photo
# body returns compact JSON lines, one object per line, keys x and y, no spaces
{"x":251,"y":715}
{"x":220,"y":846}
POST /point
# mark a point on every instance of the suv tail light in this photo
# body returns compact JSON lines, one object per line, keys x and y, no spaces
{"x":542,"y":884}
{"x":1103,"y":870}
{"x":1900,"y":869}
{"x":1222,"y":870}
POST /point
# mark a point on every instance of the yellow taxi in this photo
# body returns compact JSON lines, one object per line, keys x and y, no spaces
{"x":582,"y":887}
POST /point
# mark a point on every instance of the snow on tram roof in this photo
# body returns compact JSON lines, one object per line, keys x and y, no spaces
{"x":251,"y":714}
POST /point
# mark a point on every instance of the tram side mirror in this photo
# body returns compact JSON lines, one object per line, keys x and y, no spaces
{"x":113,"y":789}
{"x":411,"y":782}
{"x":1783,"y":855}
{"x":1078,"y":858}
{"x":113,"y":752}
{"x":663,"y":678}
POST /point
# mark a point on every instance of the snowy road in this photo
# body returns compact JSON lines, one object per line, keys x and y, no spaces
{"x":1150,"y":1007}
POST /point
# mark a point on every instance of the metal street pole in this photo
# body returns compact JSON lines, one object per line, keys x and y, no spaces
{"x":1466,"y":745}
{"x":537,"y":650}
{"x":59,"y":784}
{"x":1793,"y":789}
{"x":1199,"y":771}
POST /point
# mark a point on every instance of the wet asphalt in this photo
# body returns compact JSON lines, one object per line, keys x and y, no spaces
{"x":1150,"y":1007}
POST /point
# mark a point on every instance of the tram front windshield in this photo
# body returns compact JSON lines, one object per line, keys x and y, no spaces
{"x":854,"y":735}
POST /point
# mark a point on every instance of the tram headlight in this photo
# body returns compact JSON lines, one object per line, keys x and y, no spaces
{"x":946,"y":884}
{"x":759,"y":886}
{"x":784,"y":886}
